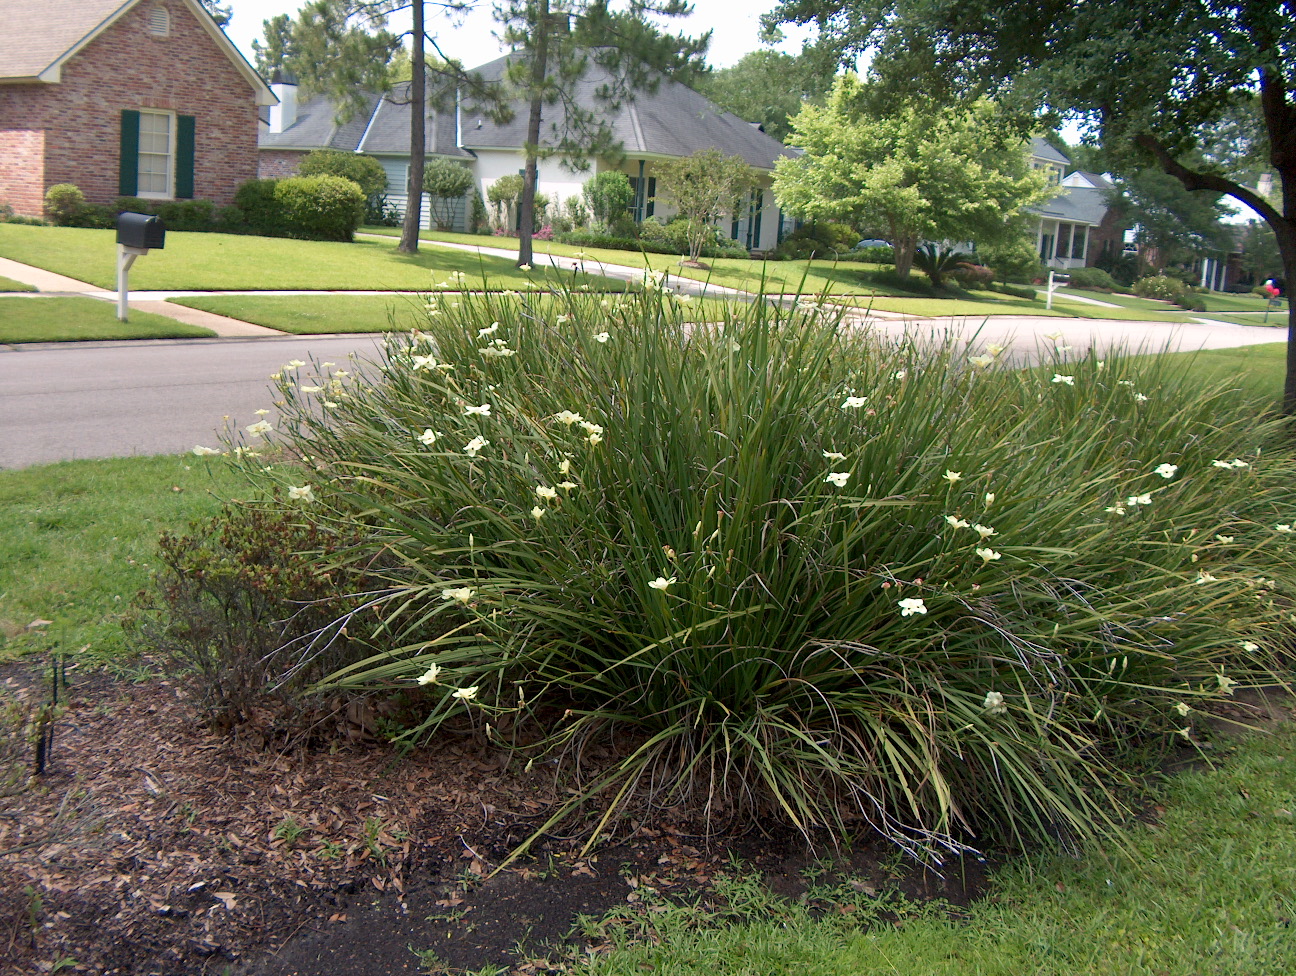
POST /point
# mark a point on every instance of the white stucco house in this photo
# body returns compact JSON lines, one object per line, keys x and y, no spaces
{"x":671,"y":122}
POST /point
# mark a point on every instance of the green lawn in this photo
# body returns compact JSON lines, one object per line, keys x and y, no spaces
{"x":8,"y":284}
{"x":79,"y":539}
{"x":78,"y":319}
{"x":1257,"y":370}
{"x":1277,"y":318}
{"x":329,"y":314}
{"x":1208,"y":885}
{"x":223,"y":262}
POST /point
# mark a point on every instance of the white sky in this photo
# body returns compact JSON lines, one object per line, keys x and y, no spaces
{"x":735,"y":25}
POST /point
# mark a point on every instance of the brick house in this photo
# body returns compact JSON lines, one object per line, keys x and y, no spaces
{"x":144,"y":98}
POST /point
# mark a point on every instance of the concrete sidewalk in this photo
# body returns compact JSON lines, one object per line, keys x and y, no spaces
{"x":49,"y":284}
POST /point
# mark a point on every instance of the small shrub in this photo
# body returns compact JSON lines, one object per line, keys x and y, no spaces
{"x":187,"y":215}
{"x":970,"y":275}
{"x":1161,"y":288}
{"x":1016,"y":291}
{"x":445,"y":182}
{"x":7,"y":212}
{"x":97,"y":216}
{"x":608,"y":195}
{"x":478,"y":218}
{"x":1191,"y":302}
{"x":260,"y":210}
{"x":63,"y":201}
{"x":380,"y":213}
{"x":818,"y":240}
{"x":230,"y":219}
{"x":246,"y":604}
{"x":364,"y":171}
{"x":323,"y":207}
{"x":1094,"y":278}
{"x":545,"y":233}
{"x":134,"y":205}
{"x":575,"y":212}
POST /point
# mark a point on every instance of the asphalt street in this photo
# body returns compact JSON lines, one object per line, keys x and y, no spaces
{"x":61,"y":401}
{"x":115,"y":399}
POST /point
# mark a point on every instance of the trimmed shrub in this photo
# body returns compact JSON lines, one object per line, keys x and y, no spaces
{"x":1193,"y":303}
{"x":666,"y":244}
{"x":970,"y":275}
{"x":818,"y":240}
{"x":445,"y":182}
{"x":1095,"y":278}
{"x":324,"y":208}
{"x":63,"y":201}
{"x":364,"y":171}
{"x":608,"y":195}
{"x":1016,"y":291}
{"x":187,"y":215}
{"x":1160,"y":287}
{"x":255,"y":200}
{"x":134,"y":205}
{"x":768,"y":568}
{"x":96,"y":216}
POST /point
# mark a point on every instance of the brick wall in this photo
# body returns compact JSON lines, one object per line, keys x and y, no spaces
{"x":22,"y":161}
{"x":278,"y":163}
{"x":126,"y":67}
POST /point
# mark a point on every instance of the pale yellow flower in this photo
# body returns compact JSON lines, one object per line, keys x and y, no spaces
{"x":994,"y":703}
{"x":981,"y":361}
{"x":984,"y":531}
{"x":989,"y":555}
{"x":483,"y":411}
{"x":957,"y":522}
{"x":546,"y":492}
{"x":429,"y":676}
{"x":834,"y":455}
{"x":475,"y":445}
{"x":838,"y":478}
{"x":429,"y":436}
{"x":1226,"y":684}
{"x":952,"y":476}
{"x":1166,"y":471}
{"x":301,"y":494}
{"x":1225,"y":539}
{"x":1183,"y":709}
{"x":567,"y":417}
{"x":1068,"y":380}
{"x":661,"y":582}
{"x":460,"y":594}
{"x":911,"y":606}
{"x":201,"y":451}
{"x":537,"y":512}
{"x":466,"y":694}
{"x":259,"y":428}
{"x":854,"y":402}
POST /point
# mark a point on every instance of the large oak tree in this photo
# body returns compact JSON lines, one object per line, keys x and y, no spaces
{"x":1155,"y":81}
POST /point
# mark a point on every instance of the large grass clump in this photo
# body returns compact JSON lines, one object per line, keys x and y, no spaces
{"x":767,"y":565}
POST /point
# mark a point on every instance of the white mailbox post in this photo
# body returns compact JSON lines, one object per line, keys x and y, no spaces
{"x":136,"y":234}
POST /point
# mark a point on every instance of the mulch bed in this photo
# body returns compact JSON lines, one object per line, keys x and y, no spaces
{"x":153,"y":846}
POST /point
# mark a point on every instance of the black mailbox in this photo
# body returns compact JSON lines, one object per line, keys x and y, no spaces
{"x":140,"y":230}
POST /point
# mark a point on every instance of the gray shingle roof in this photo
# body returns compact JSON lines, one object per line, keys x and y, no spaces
{"x":1043,"y":150}
{"x":1079,"y":204}
{"x":381,"y":128}
{"x":672,"y":121}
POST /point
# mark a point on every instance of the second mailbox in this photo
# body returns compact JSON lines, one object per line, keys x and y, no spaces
{"x":140,"y":230}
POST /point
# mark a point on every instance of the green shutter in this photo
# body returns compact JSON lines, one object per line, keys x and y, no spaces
{"x":652,"y":195}
{"x":184,"y":161}
{"x":128,"y":174}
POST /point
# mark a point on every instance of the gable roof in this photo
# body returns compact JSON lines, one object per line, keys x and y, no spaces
{"x":673,"y":120}
{"x":381,"y":128}
{"x":37,"y":37}
{"x":1041,"y":149}
{"x":1079,"y":204}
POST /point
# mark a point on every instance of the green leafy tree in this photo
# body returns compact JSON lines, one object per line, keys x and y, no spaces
{"x":1154,"y":82}
{"x":503,"y":195}
{"x":446,"y":183}
{"x":920,"y":172}
{"x":1261,"y":259}
{"x":364,"y":171}
{"x":272,"y":54}
{"x":768,"y":87}
{"x":609,"y":195}
{"x":1178,"y":224}
{"x":342,"y":49}
{"x":556,"y":44}
{"x":702,"y":188}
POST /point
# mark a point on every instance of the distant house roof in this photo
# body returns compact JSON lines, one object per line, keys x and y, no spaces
{"x":381,"y":128}
{"x":1082,"y":179}
{"x":673,"y":120}
{"x":37,"y":37}
{"x":1041,"y":149}
{"x":1078,"y":204}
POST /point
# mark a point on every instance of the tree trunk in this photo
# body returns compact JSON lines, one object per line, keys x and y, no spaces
{"x":903,"y":245}
{"x":1286,"y":235}
{"x":539,"y":69}
{"x":409,"y":242}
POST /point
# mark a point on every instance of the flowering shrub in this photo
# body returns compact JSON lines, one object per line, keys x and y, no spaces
{"x":768,"y":567}
{"x":1160,"y":287}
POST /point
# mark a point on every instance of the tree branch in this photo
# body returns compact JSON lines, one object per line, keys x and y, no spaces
{"x":1193,"y":180}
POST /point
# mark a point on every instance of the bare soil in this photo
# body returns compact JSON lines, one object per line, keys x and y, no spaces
{"x":152,"y":845}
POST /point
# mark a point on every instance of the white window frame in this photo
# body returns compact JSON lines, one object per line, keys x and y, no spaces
{"x":169,"y":193}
